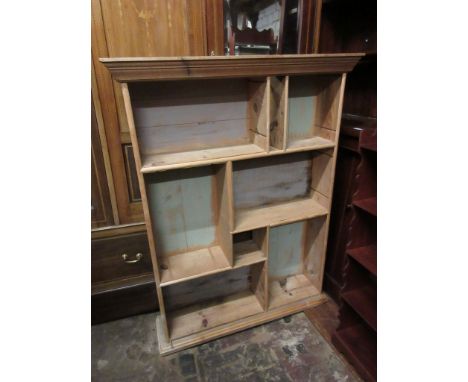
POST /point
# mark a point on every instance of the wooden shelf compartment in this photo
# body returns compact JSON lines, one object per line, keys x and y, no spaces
{"x":281,"y":189}
{"x":296,"y":254}
{"x":369,"y":205}
{"x":210,"y":301}
{"x":184,"y":122}
{"x":190,"y":215}
{"x":366,"y":256}
{"x":250,"y":247}
{"x":359,"y":344}
{"x":312,"y":110}
{"x":365,"y":196}
{"x":363,"y":301}
{"x":371,"y":146}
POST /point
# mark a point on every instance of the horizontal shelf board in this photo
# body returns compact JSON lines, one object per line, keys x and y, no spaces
{"x":310,"y":143}
{"x":189,"y":265}
{"x":196,"y":158}
{"x":247,"y":253}
{"x":161,"y":162}
{"x":364,"y":303}
{"x":209,"y":315}
{"x":369,"y":205}
{"x":203,"y":262}
{"x":360,"y":347}
{"x":366,"y":256}
{"x":168,"y":347}
{"x":278,"y":214}
{"x":295,"y":288}
{"x":371,"y":146}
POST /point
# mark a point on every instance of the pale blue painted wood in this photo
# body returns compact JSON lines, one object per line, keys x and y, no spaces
{"x":181,"y":209}
{"x":301,"y":108}
{"x":285,"y":250}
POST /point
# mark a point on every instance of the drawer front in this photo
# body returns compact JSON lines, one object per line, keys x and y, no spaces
{"x":123,"y":301}
{"x":120,"y":257}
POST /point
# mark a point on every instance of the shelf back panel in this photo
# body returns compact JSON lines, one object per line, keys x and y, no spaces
{"x":182,"y":208}
{"x":265,"y":181}
{"x":177,"y":116}
{"x":285,"y":250}
{"x":206,"y":288}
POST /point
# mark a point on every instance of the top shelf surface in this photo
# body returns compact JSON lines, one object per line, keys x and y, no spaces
{"x":127,"y":69}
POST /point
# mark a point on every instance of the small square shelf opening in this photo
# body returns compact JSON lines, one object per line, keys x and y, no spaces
{"x":250,"y":247}
{"x":295,"y":261}
{"x":188,"y":121}
{"x":188,"y":213}
{"x":313,"y":103}
{"x":281,"y":189}
{"x":211,"y":301}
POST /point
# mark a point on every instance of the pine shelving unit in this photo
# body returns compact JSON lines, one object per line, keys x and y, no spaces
{"x":237,"y":159}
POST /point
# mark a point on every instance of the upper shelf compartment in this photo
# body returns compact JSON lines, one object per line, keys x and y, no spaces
{"x":313,"y":111}
{"x":185,"y":122}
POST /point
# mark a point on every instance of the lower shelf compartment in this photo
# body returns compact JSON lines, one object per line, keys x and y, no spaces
{"x":366,"y":256}
{"x":291,"y":289}
{"x":168,"y":347}
{"x":359,"y":345}
{"x":209,"y":315}
{"x":369,"y":205}
{"x":364,"y":302}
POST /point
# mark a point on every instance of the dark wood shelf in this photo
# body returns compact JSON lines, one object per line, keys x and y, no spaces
{"x":371,"y":146}
{"x":369,"y":205}
{"x":366,"y":256}
{"x":364,"y":303}
{"x":359,"y":345}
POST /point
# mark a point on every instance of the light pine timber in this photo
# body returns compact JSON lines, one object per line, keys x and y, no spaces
{"x":172,"y":161}
{"x":278,"y":214}
{"x":146,"y":212}
{"x":278,"y":112}
{"x":338,"y":105}
{"x":167,"y":347}
{"x":272,"y":297}
{"x":159,"y":68}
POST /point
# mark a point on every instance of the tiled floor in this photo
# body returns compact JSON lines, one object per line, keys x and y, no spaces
{"x":290,"y":349}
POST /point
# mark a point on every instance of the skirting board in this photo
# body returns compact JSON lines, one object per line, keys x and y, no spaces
{"x":167,"y":347}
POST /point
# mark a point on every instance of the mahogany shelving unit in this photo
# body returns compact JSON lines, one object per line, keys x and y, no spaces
{"x":351,"y":268}
{"x":356,"y":335}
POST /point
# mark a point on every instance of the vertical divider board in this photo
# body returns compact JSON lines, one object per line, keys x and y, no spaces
{"x":224,"y":214}
{"x":266,"y":249}
{"x":260,"y":275}
{"x":279,"y":112}
{"x":144,"y":199}
{"x":230,"y":197}
{"x":258,"y":111}
{"x":226,"y":276}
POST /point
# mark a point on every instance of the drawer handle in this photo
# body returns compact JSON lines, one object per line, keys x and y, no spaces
{"x":137,"y":258}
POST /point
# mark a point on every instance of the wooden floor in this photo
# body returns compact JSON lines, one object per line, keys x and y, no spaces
{"x":325,"y":319}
